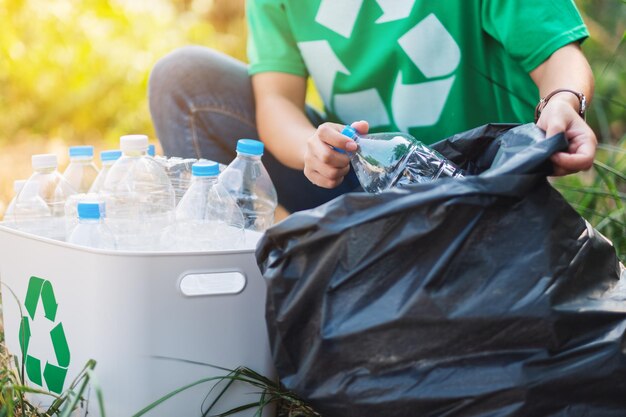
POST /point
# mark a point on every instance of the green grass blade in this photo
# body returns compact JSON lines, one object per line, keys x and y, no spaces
{"x":166,"y":397}
{"x":610,"y":169}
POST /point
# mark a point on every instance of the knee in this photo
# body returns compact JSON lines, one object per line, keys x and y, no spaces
{"x":180,"y":71}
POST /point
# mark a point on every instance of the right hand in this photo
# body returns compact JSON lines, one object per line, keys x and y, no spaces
{"x":323,"y":165}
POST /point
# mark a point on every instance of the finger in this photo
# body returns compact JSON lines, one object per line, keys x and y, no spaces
{"x":331,"y":135}
{"x":321,"y":181}
{"x":331,"y":173}
{"x":572,"y":162}
{"x":325,"y":155}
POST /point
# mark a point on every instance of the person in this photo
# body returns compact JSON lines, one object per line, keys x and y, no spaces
{"x":428,"y":68}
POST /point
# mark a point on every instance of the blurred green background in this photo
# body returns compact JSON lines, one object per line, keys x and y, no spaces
{"x":75,"y":72}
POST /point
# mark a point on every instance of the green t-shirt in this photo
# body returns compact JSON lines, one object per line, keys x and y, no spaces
{"x":430,"y":68}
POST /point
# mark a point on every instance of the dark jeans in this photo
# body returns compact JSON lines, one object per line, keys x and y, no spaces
{"x":201,"y":103}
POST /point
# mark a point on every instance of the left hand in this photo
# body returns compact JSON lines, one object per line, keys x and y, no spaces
{"x":560,"y":115}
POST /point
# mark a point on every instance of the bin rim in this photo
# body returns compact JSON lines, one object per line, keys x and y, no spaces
{"x":127,"y":253}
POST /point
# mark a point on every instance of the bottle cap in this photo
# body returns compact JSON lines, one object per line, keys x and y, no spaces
{"x":205,"y":169}
{"x":134,"y":143}
{"x":88,"y":210}
{"x":112,"y":155}
{"x":250,"y":146}
{"x":18,"y":185}
{"x":349,"y":131}
{"x":151,"y":150}
{"x":81,"y":151}
{"x":46,"y":160}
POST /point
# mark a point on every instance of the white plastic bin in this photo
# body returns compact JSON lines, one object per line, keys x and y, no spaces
{"x":128,"y":311}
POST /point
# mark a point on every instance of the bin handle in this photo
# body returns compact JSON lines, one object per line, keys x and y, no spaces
{"x":199,"y":284}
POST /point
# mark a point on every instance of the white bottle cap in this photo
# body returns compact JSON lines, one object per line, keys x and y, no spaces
{"x":46,"y":160}
{"x":134,"y":143}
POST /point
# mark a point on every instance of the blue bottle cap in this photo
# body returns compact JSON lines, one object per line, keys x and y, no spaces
{"x":88,"y":210}
{"x":81,"y":151}
{"x":349,"y":131}
{"x":112,"y":155}
{"x":250,"y":146}
{"x":151,"y":150}
{"x":205,"y":169}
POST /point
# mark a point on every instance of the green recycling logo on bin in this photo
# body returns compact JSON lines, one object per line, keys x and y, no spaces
{"x":52,"y":373}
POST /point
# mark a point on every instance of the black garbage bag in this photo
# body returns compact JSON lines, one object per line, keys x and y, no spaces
{"x":484,"y":296}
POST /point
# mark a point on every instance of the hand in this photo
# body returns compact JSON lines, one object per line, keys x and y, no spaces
{"x":560,"y":115}
{"x":323,"y":165}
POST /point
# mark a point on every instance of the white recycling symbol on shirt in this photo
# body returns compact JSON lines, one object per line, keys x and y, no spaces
{"x":427,"y":44}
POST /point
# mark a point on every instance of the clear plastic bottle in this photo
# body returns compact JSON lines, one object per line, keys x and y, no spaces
{"x":207,"y":217}
{"x":179,"y":172}
{"x":9,"y":213}
{"x":386,"y":160}
{"x":247,"y":180}
{"x":139,"y":197}
{"x":107,"y":158}
{"x":81,"y":171}
{"x":71,"y":209}
{"x":40,"y":206}
{"x":91,"y":230}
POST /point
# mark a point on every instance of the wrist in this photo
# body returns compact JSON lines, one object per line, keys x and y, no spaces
{"x":566,"y":97}
{"x":574,"y":99}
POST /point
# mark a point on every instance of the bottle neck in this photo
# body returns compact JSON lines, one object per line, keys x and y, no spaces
{"x":89,"y":221}
{"x":81,"y":159}
{"x":248,"y":157}
{"x":207,"y":180}
{"x":45,"y":170}
{"x":135,"y":153}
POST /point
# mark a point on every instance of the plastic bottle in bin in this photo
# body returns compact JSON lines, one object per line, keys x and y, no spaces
{"x":9,"y":213}
{"x":40,"y":206}
{"x":207,"y":217}
{"x":107,"y":158}
{"x":91,"y":230}
{"x":179,"y":172}
{"x":81,"y":171}
{"x":139,"y":197}
{"x":247,"y":180}
{"x":385,"y":160}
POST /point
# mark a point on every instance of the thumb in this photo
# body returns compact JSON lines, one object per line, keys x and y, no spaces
{"x":361,"y":126}
{"x":552,"y":125}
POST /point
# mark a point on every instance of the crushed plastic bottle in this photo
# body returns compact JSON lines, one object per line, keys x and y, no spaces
{"x":81,"y":171}
{"x":91,"y":231}
{"x":107,"y":159}
{"x":179,"y":172}
{"x":40,"y":206}
{"x":139,"y":197}
{"x":386,"y":160}
{"x":207,"y":217}
{"x":247,"y":180}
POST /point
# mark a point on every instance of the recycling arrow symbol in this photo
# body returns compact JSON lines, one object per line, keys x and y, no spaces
{"x":54,"y":375}
{"x":428,"y":45}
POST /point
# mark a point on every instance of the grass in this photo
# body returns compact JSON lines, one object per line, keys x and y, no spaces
{"x":14,"y":391}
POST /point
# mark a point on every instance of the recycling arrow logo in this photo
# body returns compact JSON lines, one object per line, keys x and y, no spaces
{"x":427,"y":44}
{"x":53,"y":374}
